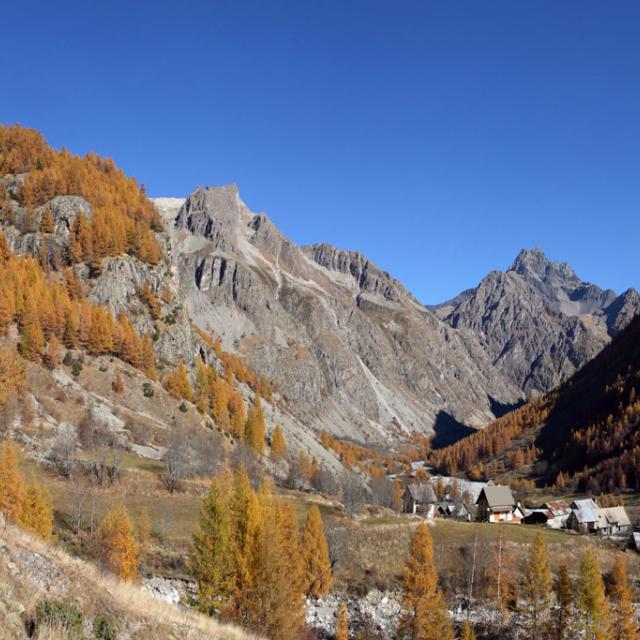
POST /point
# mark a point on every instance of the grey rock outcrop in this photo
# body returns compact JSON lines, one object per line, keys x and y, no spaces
{"x":538,"y":322}
{"x":349,"y":347}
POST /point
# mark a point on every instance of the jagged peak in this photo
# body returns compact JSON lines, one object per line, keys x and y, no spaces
{"x":534,"y":262}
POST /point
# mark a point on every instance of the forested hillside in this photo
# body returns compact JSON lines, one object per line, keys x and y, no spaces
{"x":583,"y":436}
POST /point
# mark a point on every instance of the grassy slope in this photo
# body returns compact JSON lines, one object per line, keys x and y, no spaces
{"x":31,"y":570}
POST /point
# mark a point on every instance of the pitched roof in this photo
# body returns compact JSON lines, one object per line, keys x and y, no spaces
{"x":585,"y":510}
{"x":558,"y":508}
{"x":422,"y":493}
{"x":616,"y":516}
{"x":498,"y":496}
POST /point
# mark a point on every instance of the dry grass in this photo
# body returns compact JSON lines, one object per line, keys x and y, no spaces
{"x":138,"y":613}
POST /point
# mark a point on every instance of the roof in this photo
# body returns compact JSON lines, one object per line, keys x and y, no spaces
{"x":558,"y":508}
{"x":585,"y":510}
{"x":422,"y":493}
{"x":616,"y":516}
{"x":497,"y":496}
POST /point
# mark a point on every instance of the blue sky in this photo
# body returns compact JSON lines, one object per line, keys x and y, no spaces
{"x":438,"y":138}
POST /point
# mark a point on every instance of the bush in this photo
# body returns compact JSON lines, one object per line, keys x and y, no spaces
{"x":183,"y":407}
{"x":104,"y":629}
{"x":147,"y":390}
{"x":60,"y":615}
{"x":76,"y":368}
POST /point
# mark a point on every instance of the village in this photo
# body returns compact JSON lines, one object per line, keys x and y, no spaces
{"x":467,"y":501}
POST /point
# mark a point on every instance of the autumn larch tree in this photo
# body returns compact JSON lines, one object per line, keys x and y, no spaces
{"x":11,"y":482}
{"x":537,"y":584}
{"x":424,"y":611}
{"x":211,"y":558}
{"x":46,"y":221}
{"x":177,"y":383}
{"x":255,"y":430}
{"x":278,"y":446}
{"x":117,"y":385}
{"x":623,"y":615}
{"x":467,"y":632}
{"x":117,"y":544}
{"x":342,"y":623}
{"x":562,"y":614}
{"x":315,"y":553}
{"x":593,"y":607}
{"x":36,"y":512}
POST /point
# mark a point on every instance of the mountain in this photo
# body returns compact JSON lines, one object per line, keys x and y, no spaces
{"x":582,"y":436}
{"x":344,"y":346}
{"x":350,"y":348}
{"x":537,"y":321}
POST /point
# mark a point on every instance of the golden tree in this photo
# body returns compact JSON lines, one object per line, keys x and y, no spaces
{"x":211,"y":558}
{"x":46,"y":221}
{"x":315,"y":554}
{"x":342,"y":623}
{"x":563,"y":588}
{"x":177,"y":383}
{"x":424,"y":611}
{"x":254,"y":430}
{"x":13,"y":379}
{"x":36,"y":512}
{"x":117,"y":544}
{"x":11,"y":483}
{"x":593,"y":607}
{"x":623,"y":618}
{"x":467,"y":632}
{"x":278,"y":446}
{"x":117,"y":385}
{"x":537,"y":584}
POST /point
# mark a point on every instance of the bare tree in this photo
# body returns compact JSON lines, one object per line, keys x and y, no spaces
{"x":192,"y":452}
{"x":324,"y":481}
{"x":64,"y":448}
{"x":353,"y":493}
{"x":382,"y":491}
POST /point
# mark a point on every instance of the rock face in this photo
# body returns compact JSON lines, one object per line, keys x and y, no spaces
{"x":349,"y":347}
{"x":537,"y":321}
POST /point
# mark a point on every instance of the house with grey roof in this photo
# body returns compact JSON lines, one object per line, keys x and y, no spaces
{"x":419,"y":498}
{"x":587,"y":516}
{"x":613,"y":521}
{"x":584,"y":516}
{"x":497,"y":504}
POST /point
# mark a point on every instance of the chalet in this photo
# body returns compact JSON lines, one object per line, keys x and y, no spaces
{"x":583,"y":516}
{"x":613,"y":521}
{"x":497,"y":504}
{"x":419,"y":498}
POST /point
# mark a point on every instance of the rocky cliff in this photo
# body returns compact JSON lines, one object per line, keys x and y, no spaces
{"x":351,"y":350}
{"x":537,"y":321}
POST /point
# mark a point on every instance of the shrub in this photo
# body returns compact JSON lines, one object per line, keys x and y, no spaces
{"x":60,"y":615}
{"x":76,"y":368}
{"x":104,"y":629}
{"x":183,"y":407}
{"x":147,"y":390}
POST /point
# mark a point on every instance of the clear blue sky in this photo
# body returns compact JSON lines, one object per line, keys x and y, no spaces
{"x":438,"y":138}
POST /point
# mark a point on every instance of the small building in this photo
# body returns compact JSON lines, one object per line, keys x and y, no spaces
{"x":419,"y":499}
{"x":613,"y":521}
{"x":583,"y":516}
{"x":559,"y":512}
{"x":536,"y":516}
{"x":497,"y":504}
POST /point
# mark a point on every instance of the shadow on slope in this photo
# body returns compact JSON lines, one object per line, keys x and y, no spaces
{"x":448,"y":430}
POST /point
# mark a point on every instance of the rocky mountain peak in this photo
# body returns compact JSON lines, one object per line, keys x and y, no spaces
{"x":209,"y":211}
{"x":533,"y":263}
